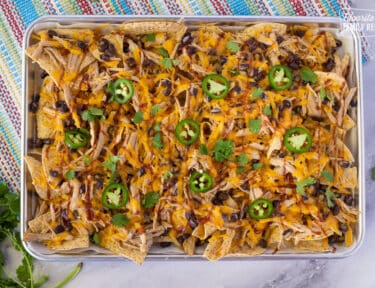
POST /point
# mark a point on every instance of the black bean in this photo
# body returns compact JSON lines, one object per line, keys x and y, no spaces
{"x":59,"y":229}
{"x":125,"y":47}
{"x":287,"y":104}
{"x":325,"y":101}
{"x":167,"y":91}
{"x":82,"y":189}
{"x":33,"y":106}
{"x":183,"y":237}
{"x":299,"y":33}
{"x":105,"y":57}
{"x":193,"y":91}
{"x":34,"y":143}
{"x":262,"y":243}
{"x":192,"y":219}
{"x":51,"y":33}
{"x":237,"y":89}
{"x":145,"y":63}
{"x":252,"y":43}
{"x":297,"y":109}
{"x":254,"y":161}
{"x":111,"y":50}
{"x":343,"y":227}
{"x":287,"y":232}
{"x":191,"y":50}
{"x":338,"y":43}
{"x":329,"y":65}
{"x":223,"y":60}
{"x":44,"y":74}
{"x":82,"y":45}
{"x":165,"y":244}
{"x":335,"y":210}
{"x":166,"y":231}
{"x":245,"y":186}
{"x":354,"y":102}
{"x":281,"y":154}
{"x":344,"y":164}
{"x":53,"y":173}
{"x":47,"y":141}
{"x":35,"y":98}
{"x":279,"y":39}
{"x":258,"y":75}
{"x":61,"y":106}
{"x":141,"y":171}
{"x":348,"y":200}
{"x":222,"y":195}
{"x":216,"y":201}
{"x":263,"y":46}
{"x":263,"y":96}
{"x":131,"y":62}
{"x":212,"y":52}
{"x":234,"y":217}
{"x":187,"y":39}
{"x":99,"y":181}
{"x":276,"y":204}
{"x":294,"y":61}
{"x":243,"y":67}
{"x":103,"y":44}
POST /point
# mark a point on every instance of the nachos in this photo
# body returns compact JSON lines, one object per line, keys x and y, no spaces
{"x":153,"y":134}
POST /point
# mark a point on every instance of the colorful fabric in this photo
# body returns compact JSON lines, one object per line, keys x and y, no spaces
{"x":16,"y":15}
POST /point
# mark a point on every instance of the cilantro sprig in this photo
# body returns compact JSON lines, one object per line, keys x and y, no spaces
{"x":92,"y":114}
{"x":150,"y":200}
{"x":223,"y":150}
{"x":300,"y":185}
{"x":9,"y":218}
{"x":233,"y":47}
{"x":166,"y":61}
{"x":308,"y":75}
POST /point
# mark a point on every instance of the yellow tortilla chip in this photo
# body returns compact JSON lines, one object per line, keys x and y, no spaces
{"x":219,"y":244}
{"x":38,"y":178}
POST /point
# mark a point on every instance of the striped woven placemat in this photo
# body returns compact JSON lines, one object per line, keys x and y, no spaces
{"x":16,"y":15}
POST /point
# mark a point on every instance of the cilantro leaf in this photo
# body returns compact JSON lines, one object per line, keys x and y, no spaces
{"x":240,"y":170}
{"x":330,"y":196}
{"x":257,"y":93}
{"x":203,"y":150}
{"x":157,"y":142}
{"x":92,"y":114}
{"x":233,"y":47}
{"x":234,"y":72}
{"x":300,"y":185}
{"x":168,"y":63}
{"x":151,"y":37}
{"x":150,"y":200}
{"x":138,"y":117}
{"x":164,"y":53}
{"x":111,"y":163}
{"x":257,"y":166}
{"x":267,"y":110}
{"x":328,"y":176}
{"x":322,"y":93}
{"x":120,"y":220}
{"x":155,"y":109}
{"x":308,"y":75}
{"x":87,"y":160}
{"x":70,"y":174}
{"x":223,"y":150}
{"x":254,"y":125}
{"x":242,"y":159}
{"x":156,"y":126}
{"x":70,"y":276}
{"x":167,"y":174}
{"x":96,"y":238}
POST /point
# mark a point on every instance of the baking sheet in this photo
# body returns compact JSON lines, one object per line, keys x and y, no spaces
{"x":32,"y":83}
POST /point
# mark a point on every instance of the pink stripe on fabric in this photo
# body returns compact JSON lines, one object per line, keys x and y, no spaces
{"x":16,"y":29}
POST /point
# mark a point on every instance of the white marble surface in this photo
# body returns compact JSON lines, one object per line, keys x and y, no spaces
{"x":355,"y":271}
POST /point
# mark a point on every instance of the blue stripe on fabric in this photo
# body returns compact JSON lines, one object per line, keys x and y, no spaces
{"x":11,"y":64}
{"x":59,"y":7}
{"x":238,"y":8}
{"x":27,"y":11}
{"x":117,"y":8}
{"x":126,"y":7}
{"x":11,"y":139}
{"x":328,"y":7}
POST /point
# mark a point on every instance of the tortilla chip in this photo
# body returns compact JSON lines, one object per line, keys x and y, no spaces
{"x":219,"y":244}
{"x":261,"y":28}
{"x":40,"y":224}
{"x":124,"y":249}
{"x":81,"y":241}
{"x":39,"y":180}
{"x":189,"y":245}
{"x":153,"y":27}
{"x":274,"y":236}
{"x":313,"y":245}
{"x":203,"y":231}
{"x":246,"y":250}
{"x":31,"y":237}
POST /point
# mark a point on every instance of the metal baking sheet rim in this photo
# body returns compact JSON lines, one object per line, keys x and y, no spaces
{"x":336,"y":22}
